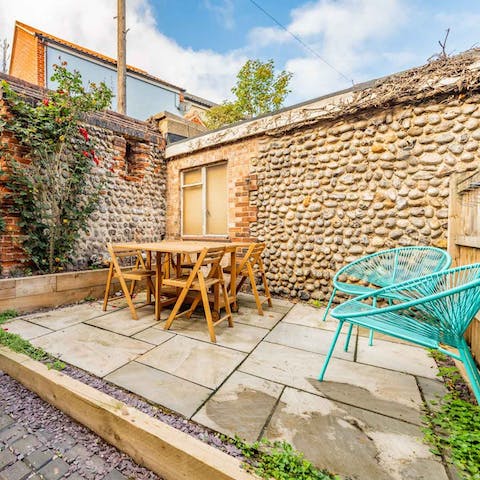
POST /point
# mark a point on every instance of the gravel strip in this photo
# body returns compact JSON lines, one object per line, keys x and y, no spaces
{"x":87,"y":455}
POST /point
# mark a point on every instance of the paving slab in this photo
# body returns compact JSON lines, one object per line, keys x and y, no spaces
{"x":239,"y":337}
{"x":161,"y":388}
{"x":310,"y":339}
{"x":17,"y":471}
{"x":390,"y":393}
{"x":250,"y":316}
{"x":203,"y":363}
{"x":397,"y":356}
{"x":92,"y":349}
{"x":154,"y":335}
{"x":432,"y":390}
{"x":26,"y":330}
{"x":121,"y":321}
{"x":352,"y":442}
{"x":279,"y":304}
{"x":310,"y":316}
{"x":54,"y":470}
{"x":241,"y":406}
{"x":61,"y":318}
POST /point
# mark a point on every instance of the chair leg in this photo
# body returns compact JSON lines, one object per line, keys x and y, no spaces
{"x":128,"y":298}
{"x":332,"y":296}
{"x":194,"y":305}
{"x":370,"y":337}
{"x":107,"y":287}
{"x":347,"y":340}
{"x":330,"y":351}
{"x":471,"y":369}
{"x":206,"y":307}
{"x":251,"y":277}
{"x":176,"y":308}
{"x":265,"y":284}
{"x":227,"y":305}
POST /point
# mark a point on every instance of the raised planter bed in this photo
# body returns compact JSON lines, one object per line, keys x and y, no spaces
{"x":163,"y":449}
{"x":26,"y":294}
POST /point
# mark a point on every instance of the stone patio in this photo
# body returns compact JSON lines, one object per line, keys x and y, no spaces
{"x":260,"y":380}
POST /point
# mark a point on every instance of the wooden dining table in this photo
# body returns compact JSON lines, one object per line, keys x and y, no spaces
{"x":177,"y":248}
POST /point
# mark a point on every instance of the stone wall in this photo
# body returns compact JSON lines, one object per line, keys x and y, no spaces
{"x":323,"y":192}
{"x":132,"y":203}
{"x":331,"y":193}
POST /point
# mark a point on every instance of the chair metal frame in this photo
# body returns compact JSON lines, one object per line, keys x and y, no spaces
{"x":385,"y":268}
{"x":433,"y":311}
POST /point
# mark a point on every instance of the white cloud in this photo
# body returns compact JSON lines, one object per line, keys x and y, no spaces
{"x":340,"y":32}
{"x":223,"y":10}
{"x":91,"y":23}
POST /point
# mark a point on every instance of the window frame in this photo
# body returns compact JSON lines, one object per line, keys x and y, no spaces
{"x":203,"y":184}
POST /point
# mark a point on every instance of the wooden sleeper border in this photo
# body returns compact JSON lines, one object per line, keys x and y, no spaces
{"x":163,"y":449}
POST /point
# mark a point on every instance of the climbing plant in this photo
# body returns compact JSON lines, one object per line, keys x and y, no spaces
{"x":52,"y":187}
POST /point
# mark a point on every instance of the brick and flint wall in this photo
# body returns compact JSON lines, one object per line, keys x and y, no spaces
{"x":132,"y":203}
{"x":323,"y":192}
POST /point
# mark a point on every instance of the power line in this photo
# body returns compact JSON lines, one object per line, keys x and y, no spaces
{"x":301,"y":42}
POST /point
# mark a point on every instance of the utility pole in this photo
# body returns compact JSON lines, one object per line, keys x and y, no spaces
{"x":5,"y":55}
{"x":121,"y":58}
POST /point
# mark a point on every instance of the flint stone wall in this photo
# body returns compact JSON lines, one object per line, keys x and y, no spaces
{"x":332,"y":193}
{"x":323,"y":195}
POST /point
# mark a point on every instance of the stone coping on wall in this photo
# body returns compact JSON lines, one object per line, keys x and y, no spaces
{"x":326,"y":106}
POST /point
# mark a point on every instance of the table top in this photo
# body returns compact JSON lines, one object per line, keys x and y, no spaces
{"x":180,"y":246}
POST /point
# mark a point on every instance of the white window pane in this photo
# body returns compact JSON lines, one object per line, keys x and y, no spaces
{"x":192,"y":176}
{"x":192,"y":211}
{"x":217,"y":200}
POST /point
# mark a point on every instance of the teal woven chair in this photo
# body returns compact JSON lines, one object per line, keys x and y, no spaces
{"x":385,"y":268}
{"x":432,"y":311}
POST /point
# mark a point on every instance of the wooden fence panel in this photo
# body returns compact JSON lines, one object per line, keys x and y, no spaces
{"x":464,"y":234}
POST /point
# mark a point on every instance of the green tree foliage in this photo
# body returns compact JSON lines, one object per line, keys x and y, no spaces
{"x":258,"y":90}
{"x":52,"y":189}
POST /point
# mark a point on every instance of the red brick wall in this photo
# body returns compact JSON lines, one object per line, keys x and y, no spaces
{"x":240,"y":183}
{"x":26,"y":60}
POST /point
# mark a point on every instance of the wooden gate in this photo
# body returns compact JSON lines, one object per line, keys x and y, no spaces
{"x":464,"y":233}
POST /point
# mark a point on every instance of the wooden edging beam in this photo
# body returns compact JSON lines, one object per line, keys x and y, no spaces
{"x":163,"y":449}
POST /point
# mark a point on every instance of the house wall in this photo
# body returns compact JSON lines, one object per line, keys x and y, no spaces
{"x":144,"y":99}
{"x":132,"y":201}
{"x":240,"y":184}
{"x":323,"y":195}
{"x":27,"y":56}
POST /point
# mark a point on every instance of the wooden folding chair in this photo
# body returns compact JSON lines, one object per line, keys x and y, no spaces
{"x":137,"y":273}
{"x":195,"y":280}
{"x":248,"y":266}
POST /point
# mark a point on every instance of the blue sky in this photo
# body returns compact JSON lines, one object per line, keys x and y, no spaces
{"x":201,"y":44}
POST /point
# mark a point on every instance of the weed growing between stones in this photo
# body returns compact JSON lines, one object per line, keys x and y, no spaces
{"x":278,"y":460}
{"x":18,"y":344}
{"x":454,"y":428}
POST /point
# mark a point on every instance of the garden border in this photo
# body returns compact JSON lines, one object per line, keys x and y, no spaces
{"x":163,"y":449}
{"x":26,"y":294}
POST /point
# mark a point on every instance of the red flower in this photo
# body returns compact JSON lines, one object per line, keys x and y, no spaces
{"x":45,"y":101}
{"x":111,"y":170}
{"x":86,"y":154}
{"x":84,"y":133}
{"x":96,"y":160}
{"x":6,"y":329}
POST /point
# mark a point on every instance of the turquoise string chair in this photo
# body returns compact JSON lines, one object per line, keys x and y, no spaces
{"x":432,"y":311}
{"x":385,"y":268}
